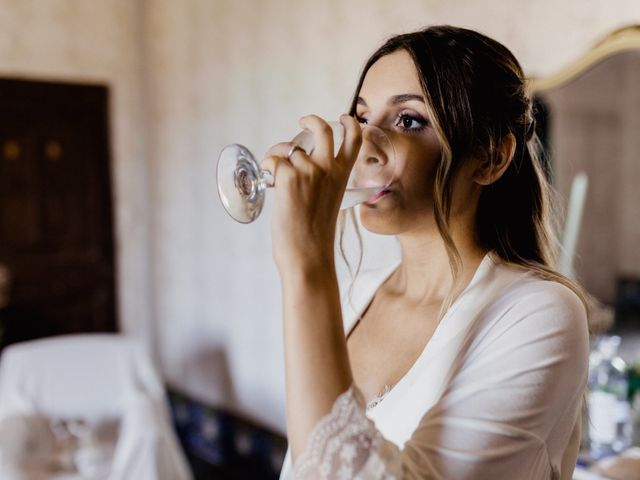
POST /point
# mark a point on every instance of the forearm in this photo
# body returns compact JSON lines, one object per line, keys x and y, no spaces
{"x":316,"y":361}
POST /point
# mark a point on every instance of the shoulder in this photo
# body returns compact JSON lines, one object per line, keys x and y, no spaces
{"x":531,"y":335}
{"x":529,"y":310}
{"x":526,"y":292}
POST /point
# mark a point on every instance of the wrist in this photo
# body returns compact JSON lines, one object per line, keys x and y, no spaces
{"x":311,"y":270}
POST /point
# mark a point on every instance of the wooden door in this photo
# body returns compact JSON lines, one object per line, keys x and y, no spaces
{"x":56,"y":236}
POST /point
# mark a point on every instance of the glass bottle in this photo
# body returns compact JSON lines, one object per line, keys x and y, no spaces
{"x":609,"y":409}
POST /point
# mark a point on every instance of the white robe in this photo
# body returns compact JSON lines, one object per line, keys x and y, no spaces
{"x":495,"y":394}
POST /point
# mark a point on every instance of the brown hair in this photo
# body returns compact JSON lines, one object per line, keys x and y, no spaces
{"x":476,"y":94}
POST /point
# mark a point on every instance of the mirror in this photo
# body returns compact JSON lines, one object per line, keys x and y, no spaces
{"x":589,"y":114}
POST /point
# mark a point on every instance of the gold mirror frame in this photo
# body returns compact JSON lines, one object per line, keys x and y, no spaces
{"x":621,"y":40}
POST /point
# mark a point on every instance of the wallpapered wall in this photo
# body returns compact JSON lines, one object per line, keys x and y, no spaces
{"x":188,"y":77}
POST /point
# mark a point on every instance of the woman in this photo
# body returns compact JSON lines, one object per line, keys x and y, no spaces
{"x":469,"y":358}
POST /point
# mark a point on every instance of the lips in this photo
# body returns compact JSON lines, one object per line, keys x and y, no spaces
{"x":376,"y":198}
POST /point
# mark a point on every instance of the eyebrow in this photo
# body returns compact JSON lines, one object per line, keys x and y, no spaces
{"x":396,"y":99}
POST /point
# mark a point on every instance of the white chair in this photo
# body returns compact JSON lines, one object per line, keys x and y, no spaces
{"x":85,"y":406}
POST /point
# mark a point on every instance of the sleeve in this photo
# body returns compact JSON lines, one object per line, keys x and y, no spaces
{"x":514,"y":397}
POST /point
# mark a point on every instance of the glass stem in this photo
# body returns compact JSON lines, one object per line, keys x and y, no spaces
{"x":266,"y":179}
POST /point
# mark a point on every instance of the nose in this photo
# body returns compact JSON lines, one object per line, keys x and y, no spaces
{"x":376,"y":147}
{"x":376,"y":159}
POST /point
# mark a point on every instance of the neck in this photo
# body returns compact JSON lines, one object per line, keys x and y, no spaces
{"x":425,"y":276}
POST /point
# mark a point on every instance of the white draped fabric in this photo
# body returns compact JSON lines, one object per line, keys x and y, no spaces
{"x":97,"y":380}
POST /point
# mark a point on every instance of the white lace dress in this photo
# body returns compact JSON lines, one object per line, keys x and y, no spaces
{"x":496,"y":393}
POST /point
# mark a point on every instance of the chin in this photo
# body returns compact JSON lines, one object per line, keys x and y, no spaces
{"x":379,"y":221}
{"x":389,"y":219}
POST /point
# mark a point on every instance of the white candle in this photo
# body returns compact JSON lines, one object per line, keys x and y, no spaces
{"x":572,"y":223}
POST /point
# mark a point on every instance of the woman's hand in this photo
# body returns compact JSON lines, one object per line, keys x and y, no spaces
{"x":309,"y":189}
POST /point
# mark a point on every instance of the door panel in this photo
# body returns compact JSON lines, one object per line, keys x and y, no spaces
{"x":55,"y":209}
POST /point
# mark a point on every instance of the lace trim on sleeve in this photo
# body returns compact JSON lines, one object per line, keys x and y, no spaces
{"x":346,"y":445}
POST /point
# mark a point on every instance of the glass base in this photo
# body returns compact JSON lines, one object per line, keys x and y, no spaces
{"x":239,"y":183}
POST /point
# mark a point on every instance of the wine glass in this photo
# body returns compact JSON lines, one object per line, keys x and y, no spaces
{"x":242,"y":184}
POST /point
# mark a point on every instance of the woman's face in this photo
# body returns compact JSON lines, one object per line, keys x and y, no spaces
{"x":391,"y":97}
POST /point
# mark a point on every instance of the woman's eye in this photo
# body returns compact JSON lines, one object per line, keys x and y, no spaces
{"x":410,"y":122}
{"x":361,"y":119}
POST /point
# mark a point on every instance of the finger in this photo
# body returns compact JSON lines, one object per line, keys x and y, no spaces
{"x":352,"y":140}
{"x":280,"y":149}
{"x":293,"y":153}
{"x":278,"y":166}
{"x":323,"y":153}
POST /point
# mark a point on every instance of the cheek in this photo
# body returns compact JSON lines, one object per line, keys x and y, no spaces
{"x":418,"y":173}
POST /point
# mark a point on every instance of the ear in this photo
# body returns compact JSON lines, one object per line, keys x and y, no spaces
{"x":489,"y":171}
